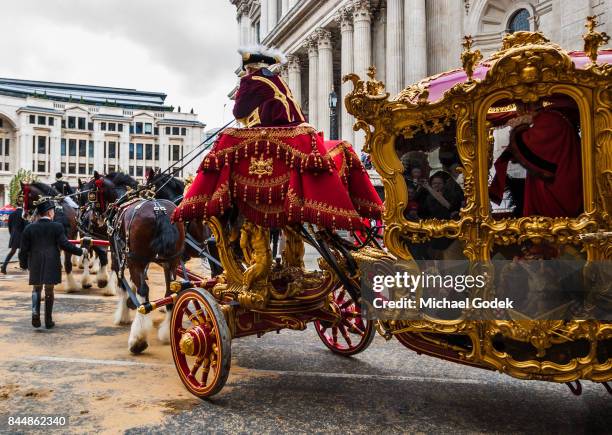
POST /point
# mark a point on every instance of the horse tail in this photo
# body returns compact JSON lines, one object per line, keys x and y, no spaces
{"x":165,"y":237}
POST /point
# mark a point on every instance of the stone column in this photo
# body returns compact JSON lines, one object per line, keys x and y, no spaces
{"x":415,"y":42}
{"x":394,"y":79}
{"x":295,"y":77}
{"x":345,"y":20}
{"x":379,"y":43}
{"x":444,"y":35}
{"x":325,"y":79}
{"x":284,"y":73}
{"x":55,"y":142}
{"x":313,"y":74}
{"x":272,"y":14}
{"x":245,"y":29}
{"x":263,"y":20}
{"x":362,"y":21}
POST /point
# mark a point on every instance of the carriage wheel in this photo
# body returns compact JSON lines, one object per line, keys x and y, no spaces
{"x":352,"y":333}
{"x":201,"y":343}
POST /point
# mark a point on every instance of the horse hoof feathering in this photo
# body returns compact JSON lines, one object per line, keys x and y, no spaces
{"x":86,"y":281}
{"x":71,"y":285}
{"x":141,"y":326}
{"x":163,"y":333}
{"x":102,"y":279}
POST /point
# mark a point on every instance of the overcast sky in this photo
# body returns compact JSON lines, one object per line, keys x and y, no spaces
{"x":184,"y":48}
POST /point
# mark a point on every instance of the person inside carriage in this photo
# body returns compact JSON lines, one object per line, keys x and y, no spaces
{"x":277,"y":172}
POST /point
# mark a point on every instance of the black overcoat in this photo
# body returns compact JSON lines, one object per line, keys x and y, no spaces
{"x":40,"y":251}
{"x":16,"y":224}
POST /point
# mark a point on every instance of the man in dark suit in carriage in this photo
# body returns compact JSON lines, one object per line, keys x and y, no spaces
{"x":16,"y":225}
{"x":40,"y":253}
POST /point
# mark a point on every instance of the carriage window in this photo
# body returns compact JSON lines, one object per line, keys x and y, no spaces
{"x":72,"y":147}
{"x":82,"y":148}
{"x":535,"y":169}
{"x":63,"y":147}
{"x":519,"y":21}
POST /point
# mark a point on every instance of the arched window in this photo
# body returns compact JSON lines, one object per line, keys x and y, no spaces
{"x":519,"y":21}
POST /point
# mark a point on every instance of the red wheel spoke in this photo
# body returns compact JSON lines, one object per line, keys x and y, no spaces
{"x":205,"y":371}
{"x":335,"y":334}
{"x":196,"y":366}
{"x":346,"y":304}
{"x":345,"y":335}
{"x":340,"y":296}
{"x":355,"y":329}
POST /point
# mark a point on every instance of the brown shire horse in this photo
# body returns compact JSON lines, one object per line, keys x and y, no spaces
{"x":141,"y":234}
{"x":31,"y":193}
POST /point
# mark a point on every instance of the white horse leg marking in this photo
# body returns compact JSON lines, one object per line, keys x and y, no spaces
{"x":75,"y":260}
{"x":86,"y":278}
{"x":95,"y":266}
{"x":122,"y":313}
{"x":141,"y":326}
{"x":80,"y":261}
{"x":71,"y":285}
{"x":163,"y":334}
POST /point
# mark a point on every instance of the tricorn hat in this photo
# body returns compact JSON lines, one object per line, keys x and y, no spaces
{"x":44,"y":204}
{"x":260,"y":56}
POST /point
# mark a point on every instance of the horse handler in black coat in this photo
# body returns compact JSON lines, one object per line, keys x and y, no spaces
{"x":40,"y":253}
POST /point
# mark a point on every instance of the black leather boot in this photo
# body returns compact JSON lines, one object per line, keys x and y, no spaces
{"x":36,"y":308}
{"x":3,"y":268}
{"x":49,"y":297}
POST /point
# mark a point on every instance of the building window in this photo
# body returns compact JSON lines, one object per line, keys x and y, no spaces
{"x":91,"y":148}
{"x":111,"y":150}
{"x":82,"y":148}
{"x":72,"y":168}
{"x":138,"y":151}
{"x":42,"y":145}
{"x":148,"y":128}
{"x":139,"y":128}
{"x":82,"y":123}
{"x":51,"y":120}
{"x":63,"y":147}
{"x":103,"y":126}
{"x":156,"y":131}
{"x":156,"y":152}
{"x":63,"y":167}
{"x":176,"y":152}
{"x":63,"y":123}
{"x":41,"y":166}
{"x":183,"y":131}
{"x":131,"y":151}
{"x":32,"y":119}
{"x":131,"y":171}
{"x":519,"y":21}
{"x":42,"y":120}
{"x":71,"y":122}
{"x":7,"y":146}
{"x":72,"y":147}
{"x":111,"y":126}
{"x":175,"y":131}
{"x":82,"y":168}
{"x":149,"y":151}
{"x":111,"y":168}
{"x":167,"y":130}
{"x":1,"y":123}
{"x":119,"y":127}
{"x":90,"y":126}
{"x":139,"y":171}
{"x":6,"y":166}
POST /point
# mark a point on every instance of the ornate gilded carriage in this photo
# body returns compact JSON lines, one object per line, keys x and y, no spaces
{"x":459,"y":104}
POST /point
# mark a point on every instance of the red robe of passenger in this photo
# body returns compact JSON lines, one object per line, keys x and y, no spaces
{"x":264,"y":99}
{"x":550,"y":151}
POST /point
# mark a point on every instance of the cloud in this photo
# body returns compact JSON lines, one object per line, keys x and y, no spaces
{"x":186,"y":48}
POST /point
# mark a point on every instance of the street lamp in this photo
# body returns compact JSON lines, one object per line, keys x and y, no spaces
{"x":333,"y":125}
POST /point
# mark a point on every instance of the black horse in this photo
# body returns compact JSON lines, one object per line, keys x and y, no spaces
{"x":199,"y":241}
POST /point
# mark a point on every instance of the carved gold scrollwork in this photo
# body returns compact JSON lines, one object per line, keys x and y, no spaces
{"x":528,"y":68}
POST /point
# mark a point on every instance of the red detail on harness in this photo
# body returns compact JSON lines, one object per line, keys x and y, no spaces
{"x":26,"y":196}
{"x":100,"y":192}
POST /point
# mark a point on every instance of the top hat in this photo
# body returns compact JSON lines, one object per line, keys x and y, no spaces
{"x":43,"y":205}
{"x":58,"y":175}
